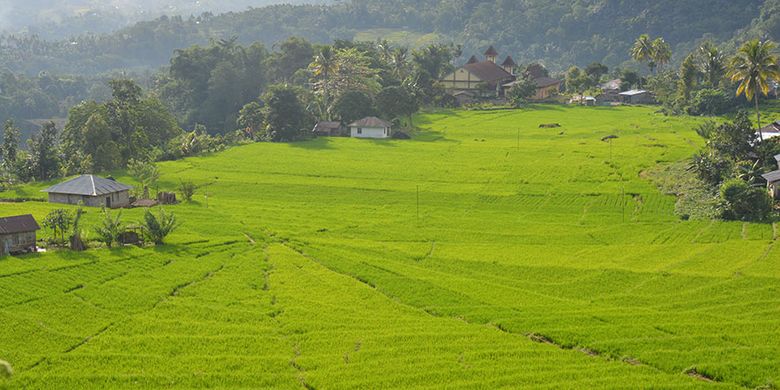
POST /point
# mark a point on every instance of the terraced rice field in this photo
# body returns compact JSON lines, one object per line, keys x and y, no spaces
{"x":536,"y":258}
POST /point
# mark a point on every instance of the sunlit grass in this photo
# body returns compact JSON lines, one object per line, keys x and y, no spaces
{"x":311,"y":264}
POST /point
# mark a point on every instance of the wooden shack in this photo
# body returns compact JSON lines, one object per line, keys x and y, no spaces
{"x":18,"y":234}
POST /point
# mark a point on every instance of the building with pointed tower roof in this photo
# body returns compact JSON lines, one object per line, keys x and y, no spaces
{"x":479,"y":79}
{"x":509,"y":65}
{"x":491,"y":54}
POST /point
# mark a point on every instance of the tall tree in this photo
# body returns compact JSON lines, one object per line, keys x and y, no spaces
{"x":655,"y":52}
{"x":596,"y":70}
{"x":322,"y":68}
{"x":350,"y":71}
{"x":251,"y":119}
{"x":284,"y":113}
{"x":293,"y":54}
{"x":689,"y":75}
{"x":352,"y":106}
{"x":753,"y":67}
{"x":642,"y":51}
{"x":662,"y":52}
{"x":43,"y":162}
{"x":397,"y":102}
{"x":712,"y":63}
{"x":10,"y":146}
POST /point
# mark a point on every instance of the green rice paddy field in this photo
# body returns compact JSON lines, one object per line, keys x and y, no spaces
{"x":538,"y":257}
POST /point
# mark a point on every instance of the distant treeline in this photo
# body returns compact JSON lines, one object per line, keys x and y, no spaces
{"x":557,"y":33}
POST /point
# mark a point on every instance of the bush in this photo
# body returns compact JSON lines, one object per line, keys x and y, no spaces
{"x":710,"y":102}
{"x":59,"y":221}
{"x":742,"y":202}
{"x":5,"y":369}
{"x":110,"y":229}
{"x":156,"y":228}
{"x":187,"y":189}
{"x":711,"y":168}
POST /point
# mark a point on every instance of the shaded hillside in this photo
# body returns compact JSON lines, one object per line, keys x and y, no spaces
{"x":559,"y":32}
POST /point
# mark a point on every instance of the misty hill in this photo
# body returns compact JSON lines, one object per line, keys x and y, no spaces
{"x":558,"y":32}
{"x":54,"y":19}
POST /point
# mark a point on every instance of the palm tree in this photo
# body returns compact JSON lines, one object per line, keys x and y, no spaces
{"x":661,"y":52}
{"x":400,"y":62}
{"x":642,"y":51}
{"x":712,"y":63}
{"x":385,"y":50}
{"x":754,"y":67}
{"x":322,"y":68}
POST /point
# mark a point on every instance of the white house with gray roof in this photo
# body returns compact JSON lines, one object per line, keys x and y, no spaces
{"x":92,"y":191}
{"x":371,"y":127}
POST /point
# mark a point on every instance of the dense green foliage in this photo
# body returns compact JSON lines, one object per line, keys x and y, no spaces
{"x":308,"y":265}
{"x":559,"y":32}
{"x":104,"y":136}
{"x":157,"y":227}
{"x":731,"y":163}
{"x":209,"y":85}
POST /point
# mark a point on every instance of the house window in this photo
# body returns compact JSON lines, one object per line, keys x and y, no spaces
{"x":360,"y":130}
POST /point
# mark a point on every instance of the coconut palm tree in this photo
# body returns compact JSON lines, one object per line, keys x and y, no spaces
{"x":754,"y":67}
{"x":712,"y":63}
{"x":322,"y":68}
{"x":642,"y":51}
{"x":661,"y":52}
{"x":400,"y":63}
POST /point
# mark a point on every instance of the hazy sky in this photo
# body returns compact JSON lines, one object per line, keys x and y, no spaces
{"x":18,"y":14}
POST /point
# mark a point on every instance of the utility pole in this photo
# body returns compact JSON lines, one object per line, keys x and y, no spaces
{"x":623,"y":198}
{"x":418,"y":205}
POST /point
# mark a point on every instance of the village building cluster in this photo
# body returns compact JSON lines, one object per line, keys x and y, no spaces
{"x":488,"y":80}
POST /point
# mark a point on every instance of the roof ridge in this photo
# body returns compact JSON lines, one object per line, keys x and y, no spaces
{"x":94,"y":190}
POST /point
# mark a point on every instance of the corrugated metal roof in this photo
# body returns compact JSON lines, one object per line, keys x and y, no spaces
{"x":326,"y":125}
{"x":772,"y":177}
{"x":18,"y":224}
{"x":370,"y":121}
{"x":542,"y":82}
{"x":633,"y":92}
{"x":89,"y":185}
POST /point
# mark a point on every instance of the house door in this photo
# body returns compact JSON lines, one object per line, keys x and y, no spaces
{"x":108,"y":202}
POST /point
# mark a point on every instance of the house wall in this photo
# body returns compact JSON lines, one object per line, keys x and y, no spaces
{"x":18,"y":242}
{"x":774,"y":190}
{"x":118,"y":199}
{"x":370,"y":132}
{"x":644,"y":98}
{"x":461,"y":79}
{"x":546,"y":92}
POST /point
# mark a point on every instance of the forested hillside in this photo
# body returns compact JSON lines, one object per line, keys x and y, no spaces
{"x":558,"y":33}
{"x":56,"y":19}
